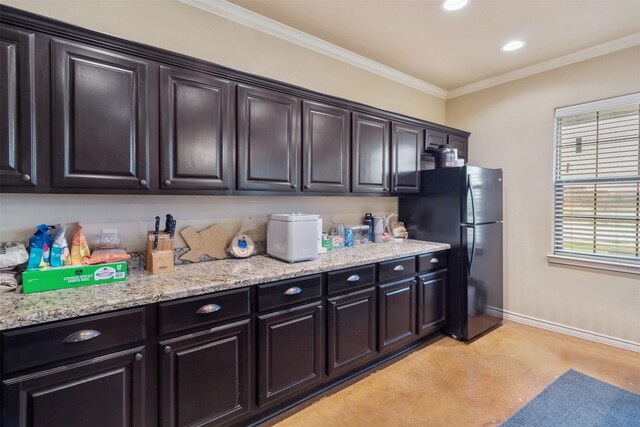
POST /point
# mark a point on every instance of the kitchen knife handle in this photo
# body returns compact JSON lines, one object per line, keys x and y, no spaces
{"x":83,"y":335}
{"x":293,"y":291}
{"x":354,"y":278}
{"x":167,"y":222}
{"x":209,"y":308}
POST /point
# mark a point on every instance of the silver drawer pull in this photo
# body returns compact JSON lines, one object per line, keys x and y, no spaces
{"x":434,"y":261}
{"x":209,"y":308}
{"x":353,"y":278}
{"x":83,"y":335}
{"x":398,"y":268}
{"x":293,"y":291}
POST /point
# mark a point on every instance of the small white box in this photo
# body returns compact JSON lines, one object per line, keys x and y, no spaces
{"x":293,"y":237}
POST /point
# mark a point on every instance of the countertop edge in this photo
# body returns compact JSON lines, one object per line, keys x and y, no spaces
{"x":28,"y":312}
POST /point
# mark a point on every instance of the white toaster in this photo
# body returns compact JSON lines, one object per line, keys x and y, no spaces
{"x":292,"y":237}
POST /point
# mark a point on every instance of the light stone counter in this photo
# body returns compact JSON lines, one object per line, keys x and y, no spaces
{"x":17,"y":309}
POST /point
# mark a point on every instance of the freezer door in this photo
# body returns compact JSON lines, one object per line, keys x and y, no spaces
{"x":483,"y":274}
{"x":484,"y":196}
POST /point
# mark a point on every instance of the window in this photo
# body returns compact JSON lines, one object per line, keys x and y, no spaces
{"x":597,"y":180}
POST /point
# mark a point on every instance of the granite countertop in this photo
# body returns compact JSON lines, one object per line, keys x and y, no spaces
{"x":17,"y":309}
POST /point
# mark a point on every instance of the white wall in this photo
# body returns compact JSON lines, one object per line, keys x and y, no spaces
{"x":511,"y":127}
{"x":181,"y":28}
{"x":133,"y":215}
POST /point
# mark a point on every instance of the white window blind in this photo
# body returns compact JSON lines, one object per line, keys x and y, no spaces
{"x":597,"y":180}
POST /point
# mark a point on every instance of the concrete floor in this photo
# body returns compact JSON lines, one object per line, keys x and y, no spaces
{"x":479,"y":384}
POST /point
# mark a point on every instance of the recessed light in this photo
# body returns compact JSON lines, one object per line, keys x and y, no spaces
{"x":450,"y":5}
{"x":512,"y":45}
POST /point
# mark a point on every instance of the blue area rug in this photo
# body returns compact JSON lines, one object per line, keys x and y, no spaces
{"x":577,"y":400}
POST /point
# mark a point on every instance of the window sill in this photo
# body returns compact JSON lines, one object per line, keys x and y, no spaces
{"x":594,"y":263}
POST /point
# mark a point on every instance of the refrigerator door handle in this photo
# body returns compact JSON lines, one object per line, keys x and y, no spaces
{"x":473,"y":205}
{"x":473,"y":249}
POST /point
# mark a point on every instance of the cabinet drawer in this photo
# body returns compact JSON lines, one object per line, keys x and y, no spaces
{"x":192,"y":312}
{"x":350,"y":278}
{"x":283,"y":293}
{"x":40,"y":345}
{"x":432,"y":262}
{"x":396,"y":268}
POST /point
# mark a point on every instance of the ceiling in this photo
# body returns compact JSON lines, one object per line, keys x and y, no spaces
{"x":455,"y":49}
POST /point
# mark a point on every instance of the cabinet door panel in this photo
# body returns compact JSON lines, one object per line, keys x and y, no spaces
{"x":351,"y":330}
{"x":397,"y":313}
{"x":431,"y":301}
{"x":268,"y":140}
{"x":103,"y":391}
{"x":101,"y":136}
{"x":407,"y":142}
{"x":370,"y":148}
{"x":435,"y":139}
{"x":325,"y":145}
{"x":291,"y":352}
{"x":205,"y":376}
{"x":17,"y":108}
{"x":460,"y":144}
{"x":196,"y":134}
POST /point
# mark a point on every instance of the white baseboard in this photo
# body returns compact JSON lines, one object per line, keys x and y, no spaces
{"x":571,"y":331}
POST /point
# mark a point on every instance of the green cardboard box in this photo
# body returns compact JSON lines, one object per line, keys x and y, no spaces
{"x":50,"y":278}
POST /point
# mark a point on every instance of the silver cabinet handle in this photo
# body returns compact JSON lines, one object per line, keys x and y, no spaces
{"x":209,"y":308}
{"x":83,"y":335}
{"x":398,"y":268}
{"x":167,"y":349}
{"x":138,"y":357}
{"x":26,"y":178}
{"x":434,"y":260}
{"x":353,"y":278}
{"x":167,"y":183}
{"x":143,"y":182}
{"x":293,"y":291}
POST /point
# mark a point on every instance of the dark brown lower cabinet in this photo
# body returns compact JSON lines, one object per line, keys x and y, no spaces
{"x":290,"y":351}
{"x":103,"y":391}
{"x":396,"y":313}
{"x":431,"y":301}
{"x":351,"y":330}
{"x":205,"y":377}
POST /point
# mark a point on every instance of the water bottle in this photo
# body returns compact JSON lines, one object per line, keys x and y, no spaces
{"x":368,"y":220}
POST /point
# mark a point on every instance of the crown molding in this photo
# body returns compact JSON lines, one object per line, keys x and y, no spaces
{"x":274,"y":28}
{"x":572,"y":58}
{"x":261,"y":23}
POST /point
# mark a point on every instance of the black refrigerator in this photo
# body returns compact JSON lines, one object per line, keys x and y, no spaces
{"x":462,"y":206}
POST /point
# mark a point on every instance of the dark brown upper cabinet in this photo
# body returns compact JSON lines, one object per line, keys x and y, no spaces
{"x":268,"y":140}
{"x":17,"y":108}
{"x":325,"y":148}
{"x":460,"y":144}
{"x":101,"y":118}
{"x":196,"y":117}
{"x":370,"y":154}
{"x":434,"y":139}
{"x":407,"y":143}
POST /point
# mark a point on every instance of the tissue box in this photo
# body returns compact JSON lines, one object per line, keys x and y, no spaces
{"x":51,"y":278}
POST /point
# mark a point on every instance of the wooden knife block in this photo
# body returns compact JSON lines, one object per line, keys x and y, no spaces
{"x":160,"y":261}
